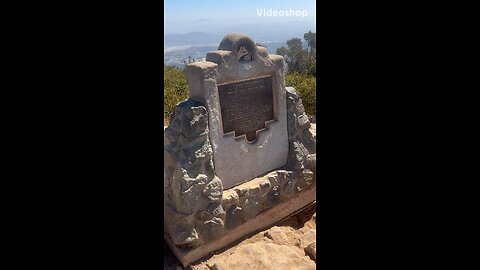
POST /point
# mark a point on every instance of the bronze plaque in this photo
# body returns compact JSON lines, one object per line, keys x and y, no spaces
{"x":246,"y":106}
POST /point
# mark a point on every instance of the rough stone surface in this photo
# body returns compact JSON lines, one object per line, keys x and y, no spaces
{"x":235,"y":217}
{"x":302,"y":144}
{"x":307,"y":238}
{"x":236,"y":160}
{"x":214,"y":191}
{"x":281,"y":236}
{"x":272,"y":249}
{"x":193,"y":194}
{"x":258,"y":256}
{"x":311,"y":251}
{"x":248,"y":200}
{"x":212,"y":228}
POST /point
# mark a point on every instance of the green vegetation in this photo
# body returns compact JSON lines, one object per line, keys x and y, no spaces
{"x":305,"y":87}
{"x":175,"y":89}
{"x":299,"y":58}
{"x":301,"y":74}
{"x":301,"y":69}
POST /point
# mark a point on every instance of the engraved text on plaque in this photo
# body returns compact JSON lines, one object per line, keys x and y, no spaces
{"x":246,"y":106}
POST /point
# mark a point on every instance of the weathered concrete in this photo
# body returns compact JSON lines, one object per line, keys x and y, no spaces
{"x":237,"y":161}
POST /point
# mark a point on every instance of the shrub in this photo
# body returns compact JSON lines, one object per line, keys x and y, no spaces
{"x":306,"y":87}
{"x":175,"y":89}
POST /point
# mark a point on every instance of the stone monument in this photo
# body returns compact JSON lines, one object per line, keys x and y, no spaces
{"x":239,"y":155}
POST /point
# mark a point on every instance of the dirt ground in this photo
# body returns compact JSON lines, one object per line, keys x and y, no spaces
{"x":289,"y":244}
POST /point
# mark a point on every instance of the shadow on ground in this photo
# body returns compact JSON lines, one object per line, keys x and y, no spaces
{"x":170,"y":261}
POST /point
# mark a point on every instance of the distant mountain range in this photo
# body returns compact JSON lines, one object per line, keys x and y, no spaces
{"x":205,"y":35}
{"x":193,"y":38}
{"x":263,"y":32}
{"x":176,"y":56}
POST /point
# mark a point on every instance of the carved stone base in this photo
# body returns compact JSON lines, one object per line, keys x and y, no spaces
{"x":200,"y":216}
{"x":254,"y":206}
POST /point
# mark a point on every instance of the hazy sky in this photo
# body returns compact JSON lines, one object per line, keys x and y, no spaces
{"x":191,"y":10}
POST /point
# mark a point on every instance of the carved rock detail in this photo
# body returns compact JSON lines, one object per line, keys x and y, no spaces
{"x":193,"y":193}
{"x":302,"y":144}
